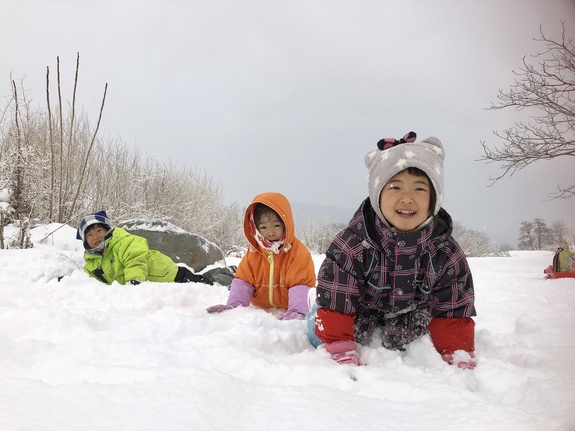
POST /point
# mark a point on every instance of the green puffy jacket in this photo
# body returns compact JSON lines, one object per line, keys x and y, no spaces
{"x":127,"y":257}
{"x":564,"y":261}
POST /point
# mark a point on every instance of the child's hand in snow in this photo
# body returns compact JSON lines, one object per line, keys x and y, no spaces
{"x":219,"y":308}
{"x":343,"y":352}
{"x":462,"y":359}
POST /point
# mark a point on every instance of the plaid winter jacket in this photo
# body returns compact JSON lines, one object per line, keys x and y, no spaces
{"x":372,"y":271}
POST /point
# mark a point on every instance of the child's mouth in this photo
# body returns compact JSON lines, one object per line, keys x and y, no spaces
{"x":405,"y":213}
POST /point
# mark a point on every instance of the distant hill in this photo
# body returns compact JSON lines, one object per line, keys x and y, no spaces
{"x":304,"y":213}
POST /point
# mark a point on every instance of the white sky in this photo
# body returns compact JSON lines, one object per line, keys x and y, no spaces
{"x":289,"y":96}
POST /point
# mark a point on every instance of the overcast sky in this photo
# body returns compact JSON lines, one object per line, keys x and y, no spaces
{"x":289,"y":96}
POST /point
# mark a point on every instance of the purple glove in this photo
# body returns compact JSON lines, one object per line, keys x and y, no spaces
{"x":297,"y":299}
{"x":343,"y":352}
{"x":464,"y":360}
{"x":219,"y":308}
{"x":297,"y":303}
{"x":240,"y":296}
{"x":291,"y":315}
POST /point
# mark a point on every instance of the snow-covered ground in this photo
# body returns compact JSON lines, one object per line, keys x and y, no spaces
{"x":80,"y":355}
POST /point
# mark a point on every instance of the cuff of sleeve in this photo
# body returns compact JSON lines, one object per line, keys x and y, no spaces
{"x":331,"y":326}
{"x":340,"y":346}
{"x":451,"y":334}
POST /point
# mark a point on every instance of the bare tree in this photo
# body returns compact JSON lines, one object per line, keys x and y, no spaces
{"x":547,"y":88}
{"x":542,"y":234}
{"x":526,"y":236}
{"x":87,"y":159}
{"x":18,"y":170}
{"x":535,"y":235}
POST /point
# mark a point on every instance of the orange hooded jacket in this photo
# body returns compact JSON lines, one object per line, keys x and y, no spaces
{"x":272,"y":275}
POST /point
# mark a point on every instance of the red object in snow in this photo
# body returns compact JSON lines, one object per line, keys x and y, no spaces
{"x":563,"y":274}
{"x":550,"y":274}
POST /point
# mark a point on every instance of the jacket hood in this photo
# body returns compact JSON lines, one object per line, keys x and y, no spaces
{"x":279,"y":204}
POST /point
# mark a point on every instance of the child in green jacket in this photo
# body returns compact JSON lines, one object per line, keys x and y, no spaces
{"x":113,"y":254}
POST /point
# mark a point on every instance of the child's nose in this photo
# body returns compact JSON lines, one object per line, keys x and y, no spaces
{"x":407,"y":198}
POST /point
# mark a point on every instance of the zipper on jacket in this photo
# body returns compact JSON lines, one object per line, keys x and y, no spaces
{"x":271,"y":281}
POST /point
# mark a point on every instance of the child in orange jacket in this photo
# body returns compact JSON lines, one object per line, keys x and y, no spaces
{"x":277,"y":271}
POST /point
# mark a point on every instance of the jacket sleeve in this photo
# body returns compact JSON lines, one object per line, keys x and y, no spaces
{"x":453,"y":293}
{"x":337,"y":290}
{"x":240,"y":293}
{"x":451,"y":334}
{"x":133,"y":255}
{"x":452,"y":305}
{"x":331,"y":326}
{"x":341,"y":274}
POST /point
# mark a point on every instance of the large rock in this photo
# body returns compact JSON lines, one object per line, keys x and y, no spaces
{"x":182,"y":246}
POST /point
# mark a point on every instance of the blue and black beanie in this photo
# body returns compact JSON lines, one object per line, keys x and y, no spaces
{"x":97,"y":218}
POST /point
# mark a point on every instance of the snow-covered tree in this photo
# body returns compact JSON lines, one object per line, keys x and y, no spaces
{"x":473,"y":243}
{"x":560,"y":233}
{"x":318,"y":234}
{"x":5,"y":212}
{"x":62,"y":170}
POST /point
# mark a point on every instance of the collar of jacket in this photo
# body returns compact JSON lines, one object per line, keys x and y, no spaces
{"x":382,"y":237}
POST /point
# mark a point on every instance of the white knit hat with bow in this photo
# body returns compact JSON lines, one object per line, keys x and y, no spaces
{"x":427,"y":155}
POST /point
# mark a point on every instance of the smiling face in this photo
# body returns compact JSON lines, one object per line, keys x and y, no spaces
{"x":94,"y":235}
{"x":405,"y":200}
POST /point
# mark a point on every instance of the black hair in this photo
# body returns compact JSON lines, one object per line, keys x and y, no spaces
{"x":93,"y":226}
{"x":261,"y":210}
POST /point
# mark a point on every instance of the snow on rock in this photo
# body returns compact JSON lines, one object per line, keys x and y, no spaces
{"x":183,"y":247}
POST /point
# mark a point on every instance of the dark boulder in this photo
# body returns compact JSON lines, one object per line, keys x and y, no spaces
{"x":182,"y":246}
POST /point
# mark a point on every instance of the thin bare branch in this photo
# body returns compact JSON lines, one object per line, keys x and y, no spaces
{"x":60,"y":191}
{"x":89,"y":151}
{"x":52,"y":155}
{"x":546,"y":90}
